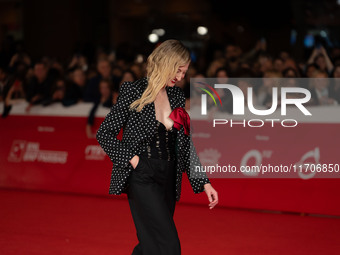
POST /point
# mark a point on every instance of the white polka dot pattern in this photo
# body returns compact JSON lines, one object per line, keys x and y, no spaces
{"x":138,"y":130}
{"x":189,"y":158}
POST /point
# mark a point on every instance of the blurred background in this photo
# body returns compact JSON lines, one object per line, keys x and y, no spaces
{"x":61,"y":66}
{"x":69,"y":46}
{"x":60,"y":29}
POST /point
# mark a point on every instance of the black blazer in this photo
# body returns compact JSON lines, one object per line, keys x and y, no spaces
{"x":139,"y":128}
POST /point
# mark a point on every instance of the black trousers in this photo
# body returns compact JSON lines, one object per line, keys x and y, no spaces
{"x":151,"y":195}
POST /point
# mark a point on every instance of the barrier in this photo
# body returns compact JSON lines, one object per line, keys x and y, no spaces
{"x":48,"y":150}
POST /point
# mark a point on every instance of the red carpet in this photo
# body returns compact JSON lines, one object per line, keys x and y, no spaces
{"x":52,"y":223}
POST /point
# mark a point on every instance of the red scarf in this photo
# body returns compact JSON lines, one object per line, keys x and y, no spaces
{"x":180,"y":117}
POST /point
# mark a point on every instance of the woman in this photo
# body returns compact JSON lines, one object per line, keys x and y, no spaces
{"x":149,"y":161}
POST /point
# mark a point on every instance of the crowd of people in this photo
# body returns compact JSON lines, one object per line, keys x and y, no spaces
{"x":47,"y":80}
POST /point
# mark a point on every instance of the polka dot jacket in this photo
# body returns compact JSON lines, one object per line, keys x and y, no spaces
{"x":139,"y":128}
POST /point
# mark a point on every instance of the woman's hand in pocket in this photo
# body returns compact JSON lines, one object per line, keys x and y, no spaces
{"x":134,"y":161}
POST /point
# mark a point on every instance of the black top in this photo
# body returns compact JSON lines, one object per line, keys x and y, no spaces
{"x":162,"y":144}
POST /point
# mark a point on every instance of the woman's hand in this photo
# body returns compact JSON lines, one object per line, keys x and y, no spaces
{"x":134,"y":161}
{"x":89,"y":132}
{"x":212,"y":195}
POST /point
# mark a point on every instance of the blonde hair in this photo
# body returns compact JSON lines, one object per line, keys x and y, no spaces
{"x":162,"y":64}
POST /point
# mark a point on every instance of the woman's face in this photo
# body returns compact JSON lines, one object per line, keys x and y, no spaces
{"x":127,"y":76}
{"x":320,"y":81}
{"x":179,"y":75}
{"x":104,"y":89}
{"x":337,"y":72}
{"x":310,"y":71}
{"x":278,"y":65}
{"x":222,"y":74}
{"x":79,"y":77}
{"x":290,"y":74}
{"x":321,"y":62}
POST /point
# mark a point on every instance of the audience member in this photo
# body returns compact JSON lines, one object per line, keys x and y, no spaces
{"x":320,"y":90}
{"x":39,"y":86}
{"x":46,"y":82}
{"x":105,"y":99}
{"x":92,"y":88}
